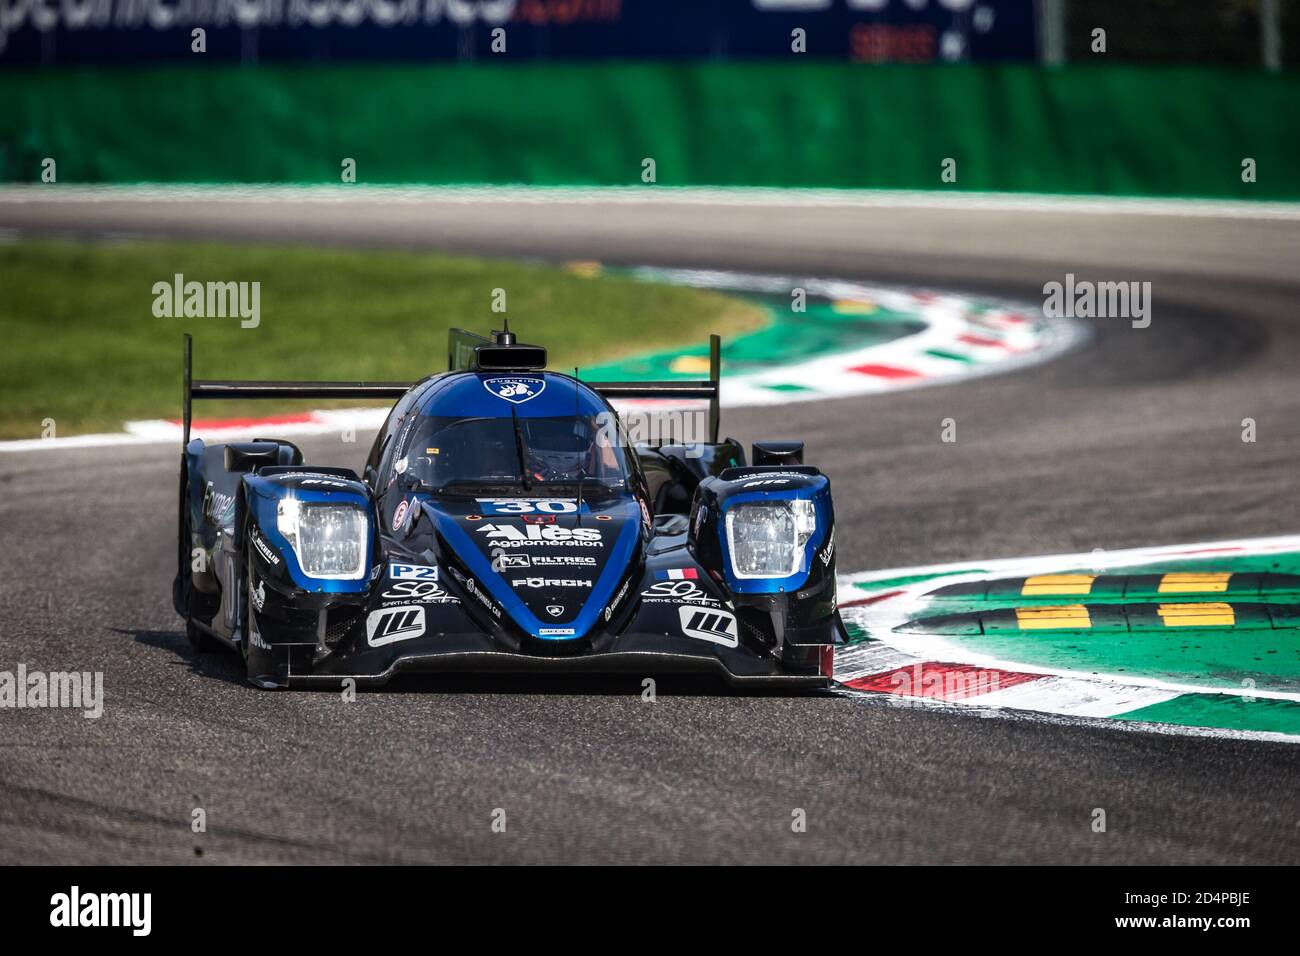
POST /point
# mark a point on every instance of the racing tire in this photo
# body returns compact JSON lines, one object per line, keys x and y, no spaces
{"x":200,"y":641}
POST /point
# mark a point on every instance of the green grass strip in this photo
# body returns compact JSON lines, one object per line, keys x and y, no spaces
{"x":84,"y":348}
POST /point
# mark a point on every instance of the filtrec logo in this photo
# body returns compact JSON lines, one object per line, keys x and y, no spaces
{"x":77,"y":909}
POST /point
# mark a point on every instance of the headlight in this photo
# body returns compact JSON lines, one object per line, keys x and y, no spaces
{"x":766,"y":539}
{"x":329,"y":540}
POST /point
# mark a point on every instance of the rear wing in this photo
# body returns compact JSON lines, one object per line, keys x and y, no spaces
{"x":211,"y":388}
{"x":466,"y":350}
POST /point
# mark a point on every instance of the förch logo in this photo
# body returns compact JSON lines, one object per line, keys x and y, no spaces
{"x":74,"y":908}
{"x":179,"y":299}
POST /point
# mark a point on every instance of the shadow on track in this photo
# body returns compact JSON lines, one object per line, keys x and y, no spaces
{"x":225,"y":665}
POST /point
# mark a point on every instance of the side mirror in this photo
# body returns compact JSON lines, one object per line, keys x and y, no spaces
{"x":778,"y":453}
{"x":251,"y":455}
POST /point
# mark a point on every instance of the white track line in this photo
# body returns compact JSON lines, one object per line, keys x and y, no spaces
{"x":655,"y":195}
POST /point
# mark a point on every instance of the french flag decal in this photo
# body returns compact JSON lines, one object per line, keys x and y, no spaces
{"x":677,"y":574}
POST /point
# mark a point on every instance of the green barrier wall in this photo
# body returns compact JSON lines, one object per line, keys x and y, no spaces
{"x":1154,"y":131}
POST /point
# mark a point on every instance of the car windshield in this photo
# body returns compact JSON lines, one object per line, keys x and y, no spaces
{"x":446,"y":453}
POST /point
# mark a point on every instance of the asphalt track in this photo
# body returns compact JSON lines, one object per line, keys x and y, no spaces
{"x":1134,"y":439}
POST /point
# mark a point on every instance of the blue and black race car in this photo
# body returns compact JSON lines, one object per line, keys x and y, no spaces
{"x":504,"y":523}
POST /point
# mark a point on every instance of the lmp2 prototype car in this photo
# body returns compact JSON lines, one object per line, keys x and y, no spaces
{"x":503,"y":523}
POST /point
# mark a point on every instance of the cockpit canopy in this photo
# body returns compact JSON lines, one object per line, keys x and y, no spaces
{"x":447,"y":452}
{"x":521,"y":433}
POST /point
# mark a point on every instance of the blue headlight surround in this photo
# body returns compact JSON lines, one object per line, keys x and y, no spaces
{"x":264,"y":497}
{"x":814,"y":488}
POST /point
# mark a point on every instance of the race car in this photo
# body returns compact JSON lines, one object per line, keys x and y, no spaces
{"x":503,"y":523}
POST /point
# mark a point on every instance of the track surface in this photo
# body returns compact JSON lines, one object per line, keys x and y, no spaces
{"x":1136,"y":439}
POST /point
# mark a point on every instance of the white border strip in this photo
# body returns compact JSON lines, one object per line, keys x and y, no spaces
{"x":757,"y":196}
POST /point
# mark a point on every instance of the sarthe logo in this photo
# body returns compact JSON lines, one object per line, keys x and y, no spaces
{"x":74,"y":909}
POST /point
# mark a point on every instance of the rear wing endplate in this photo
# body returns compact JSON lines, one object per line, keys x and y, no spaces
{"x":708,"y":389}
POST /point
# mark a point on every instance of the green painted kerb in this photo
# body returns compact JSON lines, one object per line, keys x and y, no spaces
{"x":1223,"y":711}
{"x":1241,"y":630}
{"x":1084,"y":129}
{"x":787,"y":337}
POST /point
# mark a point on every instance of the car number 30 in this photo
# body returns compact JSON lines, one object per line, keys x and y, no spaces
{"x":524,"y":506}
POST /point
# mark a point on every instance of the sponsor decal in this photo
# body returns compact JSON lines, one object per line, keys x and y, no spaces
{"x":556,"y":631}
{"x":557,"y":560}
{"x":480,"y":596}
{"x":770,"y":476}
{"x":700,"y":514}
{"x":399,"y":513}
{"x":555,"y":610}
{"x":412,"y":572}
{"x":528,"y":506}
{"x":255,"y":637}
{"x":394,"y":624}
{"x":515,"y":389}
{"x":829,"y":551}
{"x":618,"y":598}
{"x":550,"y":583}
{"x":532,"y":535}
{"x":426,"y":592}
{"x":677,"y":590}
{"x":258,"y":595}
{"x":539,"y":519}
{"x":709,"y":624}
{"x":511,"y":562}
{"x":677,"y":574}
{"x":311,"y":478}
{"x":645,"y":515}
{"x":216,"y":505}
{"x":404,"y":436}
{"x":761,"y":482}
{"x":400,"y":466}
{"x":264,"y":549}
